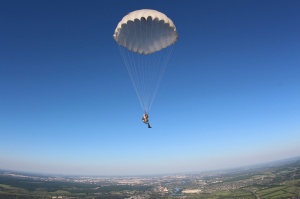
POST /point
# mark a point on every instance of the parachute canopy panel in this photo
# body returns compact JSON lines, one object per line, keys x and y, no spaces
{"x":145,"y":31}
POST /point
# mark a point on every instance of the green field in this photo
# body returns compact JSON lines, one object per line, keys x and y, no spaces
{"x":279,"y":192}
{"x":223,"y":195}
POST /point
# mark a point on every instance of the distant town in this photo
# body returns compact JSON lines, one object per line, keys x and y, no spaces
{"x":274,"y":180}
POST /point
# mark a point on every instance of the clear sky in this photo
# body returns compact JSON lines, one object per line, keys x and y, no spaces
{"x":230,"y":95}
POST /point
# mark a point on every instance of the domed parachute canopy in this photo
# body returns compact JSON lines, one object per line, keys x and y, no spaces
{"x":146,"y":39}
{"x":145,"y":31}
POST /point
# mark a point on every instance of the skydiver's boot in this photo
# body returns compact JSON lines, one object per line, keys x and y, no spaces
{"x":149,"y":126}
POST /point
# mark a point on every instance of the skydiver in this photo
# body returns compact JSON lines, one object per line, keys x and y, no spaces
{"x":145,"y":119}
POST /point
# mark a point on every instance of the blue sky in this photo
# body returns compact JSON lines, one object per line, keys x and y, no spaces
{"x":229,"y":97}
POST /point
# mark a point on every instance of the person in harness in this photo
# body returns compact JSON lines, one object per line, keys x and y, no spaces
{"x":145,"y":119}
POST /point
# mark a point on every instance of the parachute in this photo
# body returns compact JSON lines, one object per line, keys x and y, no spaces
{"x":146,"y":39}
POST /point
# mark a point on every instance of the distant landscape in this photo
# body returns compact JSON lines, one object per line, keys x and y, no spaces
{"x":279,"y":179}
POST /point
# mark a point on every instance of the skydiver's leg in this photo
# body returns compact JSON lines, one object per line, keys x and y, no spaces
{"x":149,"y":126}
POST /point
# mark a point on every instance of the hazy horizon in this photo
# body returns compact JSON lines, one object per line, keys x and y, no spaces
{"x":77,"y":173}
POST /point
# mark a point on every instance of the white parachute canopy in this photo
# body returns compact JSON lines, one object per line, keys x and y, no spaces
{"x":145,"y":38}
